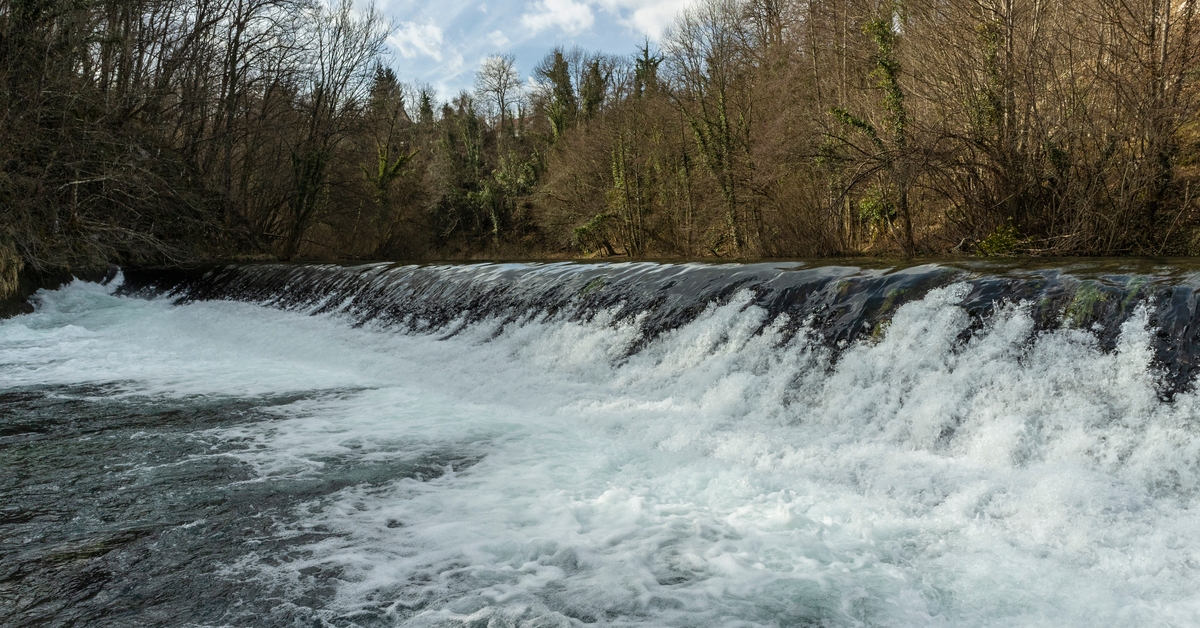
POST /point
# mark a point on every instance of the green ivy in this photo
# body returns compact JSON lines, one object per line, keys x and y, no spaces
{"x":1003,"y":241}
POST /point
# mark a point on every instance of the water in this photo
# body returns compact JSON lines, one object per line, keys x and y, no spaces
{"x":665,"y":461}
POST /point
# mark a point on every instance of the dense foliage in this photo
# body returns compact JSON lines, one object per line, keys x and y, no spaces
{"x":169,"y":130}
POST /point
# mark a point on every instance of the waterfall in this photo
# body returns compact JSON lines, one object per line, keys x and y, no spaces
{"x":637,"y":444}
{"x":837,"y":304}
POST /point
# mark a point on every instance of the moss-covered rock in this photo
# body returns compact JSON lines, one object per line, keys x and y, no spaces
{"x":1082,"y":309}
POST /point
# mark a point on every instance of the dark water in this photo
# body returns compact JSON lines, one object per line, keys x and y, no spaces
{"x":119,"y":510}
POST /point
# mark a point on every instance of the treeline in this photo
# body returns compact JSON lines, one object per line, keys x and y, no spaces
{"x":169,"y":130}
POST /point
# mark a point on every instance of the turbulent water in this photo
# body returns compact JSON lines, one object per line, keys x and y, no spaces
{"x":638,"y":444}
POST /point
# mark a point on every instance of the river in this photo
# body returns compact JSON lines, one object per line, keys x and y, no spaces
{"x":628,"y":444}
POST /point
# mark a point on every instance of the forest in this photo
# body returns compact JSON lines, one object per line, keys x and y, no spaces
{"x":177,"y":131}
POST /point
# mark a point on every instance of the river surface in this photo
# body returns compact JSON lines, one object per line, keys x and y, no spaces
{"x":224,"y":463}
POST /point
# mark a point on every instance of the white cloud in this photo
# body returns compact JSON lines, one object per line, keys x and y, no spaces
{"x":648,"y":17}
{"x":498,"y":39}
{"x":654,"y":19}
{"x":414,"y":40}
{"x":436,"y":42}
{"x":451,"y":76}
{"x":569,"y":15}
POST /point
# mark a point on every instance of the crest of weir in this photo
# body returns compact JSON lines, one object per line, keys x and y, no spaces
{"x":837,"y":304}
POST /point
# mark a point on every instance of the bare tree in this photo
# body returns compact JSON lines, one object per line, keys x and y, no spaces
{"x":498,"y":84}
{"x":708,"y":71}
{"x":344,"y":45}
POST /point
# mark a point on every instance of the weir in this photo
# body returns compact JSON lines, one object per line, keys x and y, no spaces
{"x":638,"y":444}
{"x":837,"y":304}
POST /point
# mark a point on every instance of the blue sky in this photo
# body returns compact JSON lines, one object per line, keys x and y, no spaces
{"x":441,"y":42}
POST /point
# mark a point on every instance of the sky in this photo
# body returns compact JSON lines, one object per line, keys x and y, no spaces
{"x":441,"y":42}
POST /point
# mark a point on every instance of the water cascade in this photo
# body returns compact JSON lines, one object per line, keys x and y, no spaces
{"x":776,"y":444}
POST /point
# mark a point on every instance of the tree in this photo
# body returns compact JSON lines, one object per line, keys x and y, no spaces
{"x":562,"y":106}
{"x":344,"y":45}
{"x":498,"y":84}
{"x":706,"y":62}
{"x":592,"y":90}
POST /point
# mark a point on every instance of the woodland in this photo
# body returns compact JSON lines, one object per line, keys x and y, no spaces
{"x":177,"y":131}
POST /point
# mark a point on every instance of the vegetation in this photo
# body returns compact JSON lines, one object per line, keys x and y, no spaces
{"x":139,"y":131}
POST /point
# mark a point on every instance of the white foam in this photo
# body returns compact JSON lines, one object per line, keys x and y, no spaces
{"x":717,"y":477}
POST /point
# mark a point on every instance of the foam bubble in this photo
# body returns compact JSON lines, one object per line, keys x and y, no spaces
{"x":728,"y":473}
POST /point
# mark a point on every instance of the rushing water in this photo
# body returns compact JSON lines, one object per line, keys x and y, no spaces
{"x":629,"y":444}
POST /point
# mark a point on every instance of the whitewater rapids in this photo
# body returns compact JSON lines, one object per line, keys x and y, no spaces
{"x":731,"y":471}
